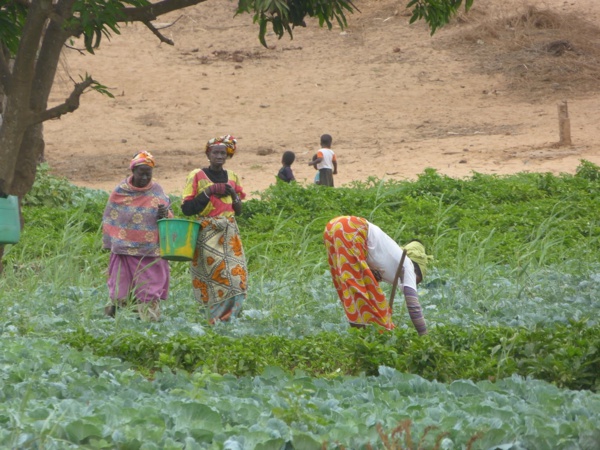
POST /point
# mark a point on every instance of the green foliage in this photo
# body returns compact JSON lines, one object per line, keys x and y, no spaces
{"x":506,"y":211}
{"x":474,"y":225}
{"x":512,"y":298}
{"x":98,"y":87}
{"x":588,"y":170}
{"x":12,"y":18}
{"x":56,"y":192}
{"x":436,"y":13}
{"x":97,"y":18}
{"x":53,"y":396}
{"x":56,"y":212}
{"x":567,"y":356}
{"x":284,"y":15}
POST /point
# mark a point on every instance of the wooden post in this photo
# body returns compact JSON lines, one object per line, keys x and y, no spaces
{"x":564,"y":124}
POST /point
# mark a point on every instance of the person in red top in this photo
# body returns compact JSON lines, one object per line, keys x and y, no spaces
{"x":213,"y":195}
{"x":325,"y":162}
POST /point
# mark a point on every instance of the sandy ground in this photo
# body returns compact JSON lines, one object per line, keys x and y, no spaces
{"x":395,"y":100}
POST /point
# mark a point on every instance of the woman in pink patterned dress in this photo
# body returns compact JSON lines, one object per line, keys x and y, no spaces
{"x":130,"y":231}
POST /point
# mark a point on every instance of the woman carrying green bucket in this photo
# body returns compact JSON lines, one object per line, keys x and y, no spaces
{"x":214,"y":196}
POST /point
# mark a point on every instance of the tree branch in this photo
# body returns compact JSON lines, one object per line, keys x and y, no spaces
{"x":70,"y":104}
{"x":70,"y":47}
{"x":170,"y":24}
{"x":151,"y":12}
{"x":158,"y":33}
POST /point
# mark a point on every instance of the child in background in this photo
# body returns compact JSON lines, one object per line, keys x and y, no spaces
{"x":325,"y":162}
{"x":285,"y":173}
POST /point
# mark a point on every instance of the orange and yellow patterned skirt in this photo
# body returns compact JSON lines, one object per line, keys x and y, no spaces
{"x":218,"y":269}
{"x":363,"y":300}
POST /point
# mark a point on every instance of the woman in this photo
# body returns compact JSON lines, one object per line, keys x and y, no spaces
{"x":360,"y":255}
{"x":214,"y":195}
{"x":130,"y":231}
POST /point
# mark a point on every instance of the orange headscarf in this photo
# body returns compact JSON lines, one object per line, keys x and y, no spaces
{"x":142,"y":158}
{"x":228,"y":141}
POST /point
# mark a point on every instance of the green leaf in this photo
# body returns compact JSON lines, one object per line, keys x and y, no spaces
{"x":196,"y":416}
{"x":80,"y":431}
{"x":272,"y":444}
{"x":464,"y":387}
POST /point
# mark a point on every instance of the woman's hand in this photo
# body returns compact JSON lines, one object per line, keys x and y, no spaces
{"x":217,"y":189}
{"x":230,"y":190}
{"x":236,"y":201}
{"x":163,"y":212}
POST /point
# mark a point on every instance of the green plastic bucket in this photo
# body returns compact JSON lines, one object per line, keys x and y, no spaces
{"x":10,"y":222}
{"x":177,"y":239}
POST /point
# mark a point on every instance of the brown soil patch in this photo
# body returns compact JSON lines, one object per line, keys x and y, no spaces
{"x":479,"y":96}
{"x":538,"y":51}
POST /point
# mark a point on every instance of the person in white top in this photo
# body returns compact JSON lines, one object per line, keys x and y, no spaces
{"x":360,"y":255}
{"x":325,"y":162}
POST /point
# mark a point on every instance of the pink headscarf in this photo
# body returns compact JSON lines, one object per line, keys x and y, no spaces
{"x":142,"y":158}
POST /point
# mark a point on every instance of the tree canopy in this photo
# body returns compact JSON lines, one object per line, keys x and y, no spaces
{"x":34,"y":32}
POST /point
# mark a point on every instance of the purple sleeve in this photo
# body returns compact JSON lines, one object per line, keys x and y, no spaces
{"x":414,"y":310}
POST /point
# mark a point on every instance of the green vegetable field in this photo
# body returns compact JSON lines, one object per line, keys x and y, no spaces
{"x":512,"y":303}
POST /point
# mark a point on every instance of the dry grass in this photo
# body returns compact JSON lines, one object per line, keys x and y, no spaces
{"x":540,"y":52}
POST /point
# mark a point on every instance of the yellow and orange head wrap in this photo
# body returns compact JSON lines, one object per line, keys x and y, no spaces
{"x":142,"y":158}
{"x":228,"y":141}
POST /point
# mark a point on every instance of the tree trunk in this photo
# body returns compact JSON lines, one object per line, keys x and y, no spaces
{"x":32,"y":150}
{"x":21,"y":137}
{"x":17,"y":117}
{"x":11,"y":136}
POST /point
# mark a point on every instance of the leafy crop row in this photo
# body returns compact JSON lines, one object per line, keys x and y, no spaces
{"x":437,"y":209}
{"x":513,"y":293}
{"x":568,"y":356}
{"x":54,"y":397}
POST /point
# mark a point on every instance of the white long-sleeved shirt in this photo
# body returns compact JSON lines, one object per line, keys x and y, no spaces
{"x":384,"y":255}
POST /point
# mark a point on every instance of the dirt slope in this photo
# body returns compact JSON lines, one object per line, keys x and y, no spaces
{"x":395,"y":99}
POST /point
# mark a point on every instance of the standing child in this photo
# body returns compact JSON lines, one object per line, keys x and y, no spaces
{"x":285,"y":173}
{"x":326,"y":162}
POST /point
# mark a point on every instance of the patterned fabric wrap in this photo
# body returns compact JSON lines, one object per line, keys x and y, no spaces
{"x":218,"y":268}
{"x":129,"y":223}
{"x":228,"y":141}
{"x":142,"y":158}
{"x":197,"y":181}
{"x":363,"y":299}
